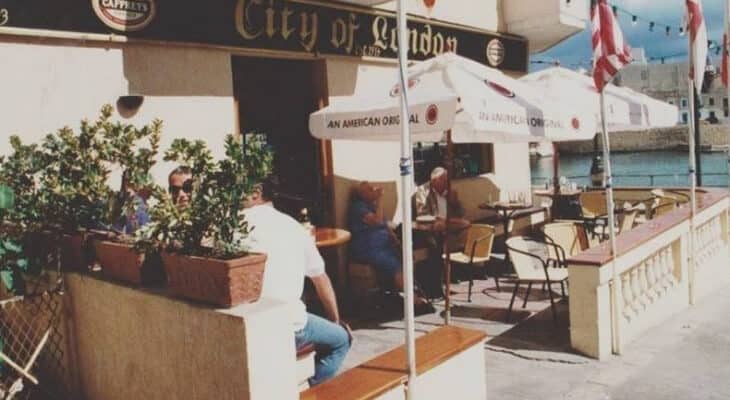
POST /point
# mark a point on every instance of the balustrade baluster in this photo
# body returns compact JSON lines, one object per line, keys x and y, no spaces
{"x":651,"y":280}
{"x":636,"y":290}
{"x":629,"y":310}
{"x":646,"y":298}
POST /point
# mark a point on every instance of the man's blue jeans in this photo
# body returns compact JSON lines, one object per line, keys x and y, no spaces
{"x":331,"y":344}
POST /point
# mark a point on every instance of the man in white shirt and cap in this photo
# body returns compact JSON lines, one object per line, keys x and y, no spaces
{"x":292,"y":256}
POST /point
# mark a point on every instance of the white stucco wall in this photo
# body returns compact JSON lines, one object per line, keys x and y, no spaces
{"x":47,"y":87}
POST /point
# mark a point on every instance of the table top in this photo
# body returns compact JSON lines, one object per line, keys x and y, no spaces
{"x":455,"y":224}
{"x":504,"y":206}
{"x":326,"y":237}
{"x":563,"y":192}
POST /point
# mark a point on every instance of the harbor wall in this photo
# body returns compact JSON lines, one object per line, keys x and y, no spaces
{"x":713,"y":138}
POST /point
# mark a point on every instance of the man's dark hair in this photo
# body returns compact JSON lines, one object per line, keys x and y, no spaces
{"x":269,"y":188}
{"x":180,"y":170}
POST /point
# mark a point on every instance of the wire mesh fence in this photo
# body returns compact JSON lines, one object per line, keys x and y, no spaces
{"x":33,"y":362}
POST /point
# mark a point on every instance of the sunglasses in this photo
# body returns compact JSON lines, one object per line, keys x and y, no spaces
{"x":186,"y":187}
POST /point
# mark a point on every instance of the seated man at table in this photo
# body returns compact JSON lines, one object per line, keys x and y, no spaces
{"x":432,"y":198}
{"x":373,"y":241}
{"x":291,"y":256}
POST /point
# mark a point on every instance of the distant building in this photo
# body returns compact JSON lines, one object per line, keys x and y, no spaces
{"x":668,"y":82}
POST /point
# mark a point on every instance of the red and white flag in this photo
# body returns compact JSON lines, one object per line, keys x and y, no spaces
{"x":698,"y":36}
{"x":610,"y":51}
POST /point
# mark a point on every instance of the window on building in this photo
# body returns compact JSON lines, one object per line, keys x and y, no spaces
{"x":684,"y":118}
{"x":724,"y":102}
{"x":644,"y":75}
{"x":471,"y":159}
{"x":711,"y":101}
{"x":726,"y":112}
{"x":684,"y":103}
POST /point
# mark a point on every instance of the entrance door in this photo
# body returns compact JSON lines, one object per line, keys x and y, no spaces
{"x":275,"y":98}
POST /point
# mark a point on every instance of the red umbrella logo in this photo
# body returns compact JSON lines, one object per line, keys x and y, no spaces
{"x":432,"y":114}
{"x":576,"y":123}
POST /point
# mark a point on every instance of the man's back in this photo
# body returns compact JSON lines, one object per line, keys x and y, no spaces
{"x":291,"y":255}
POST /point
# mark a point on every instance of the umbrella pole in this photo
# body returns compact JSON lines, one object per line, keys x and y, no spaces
{"x":693,"y":187}
{"x":615,"y":281}
{"x":445,"y":244}
{"x":556,"y":184}
{"x":406,"y":188}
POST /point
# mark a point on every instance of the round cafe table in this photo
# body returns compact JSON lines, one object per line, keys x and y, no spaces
{"x":328,"y":237}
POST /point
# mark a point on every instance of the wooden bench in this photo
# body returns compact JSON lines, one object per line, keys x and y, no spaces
{"x":388,"y":371}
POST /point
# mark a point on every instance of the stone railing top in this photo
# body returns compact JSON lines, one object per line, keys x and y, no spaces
{"x":387,"y":371}
{"x":625,"y":242}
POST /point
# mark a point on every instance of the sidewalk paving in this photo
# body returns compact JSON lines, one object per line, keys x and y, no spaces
{"x":686,"y":357}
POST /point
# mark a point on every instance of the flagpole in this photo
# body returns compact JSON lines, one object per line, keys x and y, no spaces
{"x":615,"y":282}
{"x":405,"y":195}
{"x":692,"y":171}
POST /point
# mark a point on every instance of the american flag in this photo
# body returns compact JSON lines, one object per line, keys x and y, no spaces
{"x":698,"y":36}
{"x":610,"y":51}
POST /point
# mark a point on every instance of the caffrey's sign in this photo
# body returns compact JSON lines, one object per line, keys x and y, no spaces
{"x":299,"y":26}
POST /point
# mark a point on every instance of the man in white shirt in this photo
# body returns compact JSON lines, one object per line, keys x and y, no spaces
{"x":292,"y":255}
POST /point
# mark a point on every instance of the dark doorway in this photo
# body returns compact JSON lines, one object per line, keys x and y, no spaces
{"x":275,"y":98}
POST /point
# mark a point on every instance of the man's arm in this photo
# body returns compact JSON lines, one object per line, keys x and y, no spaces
{"x":326,"y":294}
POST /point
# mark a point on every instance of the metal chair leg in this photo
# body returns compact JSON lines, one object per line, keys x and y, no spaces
{"x":529,"y":287}
{"x":511,"y":302}
{"x":471,"y":284}
{"x":552,"y":305}
{"x":562,"y":288}
{"x":496,"y":279}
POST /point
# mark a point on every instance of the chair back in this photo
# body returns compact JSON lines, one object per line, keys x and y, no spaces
{"x":483,"y":236}
{"x":593,"y":204}
{"x":662,"y":206}
{"x":627,"y":219}
{"x":527,"y":267}
{"x":565,"y":235}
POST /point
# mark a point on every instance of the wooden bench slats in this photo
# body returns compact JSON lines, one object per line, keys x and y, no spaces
{"x":387,"y":371}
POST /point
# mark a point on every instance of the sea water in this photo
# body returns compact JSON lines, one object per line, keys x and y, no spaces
{"x":655,"y":168}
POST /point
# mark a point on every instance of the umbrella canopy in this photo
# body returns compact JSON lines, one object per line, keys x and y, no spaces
{"x":626,"y":109}
{"x":479,"y":104}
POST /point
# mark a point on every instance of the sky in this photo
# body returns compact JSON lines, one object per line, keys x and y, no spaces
{"x":575,"y":52}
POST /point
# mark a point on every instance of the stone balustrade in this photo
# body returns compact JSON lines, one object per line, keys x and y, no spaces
{"x":613,"y":300}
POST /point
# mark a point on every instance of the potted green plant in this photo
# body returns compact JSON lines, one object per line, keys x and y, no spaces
{"x":24,"y":240}
{"x":133,"y":150}
{"x":74,"y":184}
{"x":203,"y":244}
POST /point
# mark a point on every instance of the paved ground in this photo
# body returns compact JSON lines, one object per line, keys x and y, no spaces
{"x":687,"y":357}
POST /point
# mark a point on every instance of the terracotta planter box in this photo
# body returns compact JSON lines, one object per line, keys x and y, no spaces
{"x":119,"y":261}
{"x":224,"y":283}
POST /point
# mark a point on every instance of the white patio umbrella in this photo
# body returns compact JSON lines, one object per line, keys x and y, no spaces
{"x":626,"y":109}
{"x":448,"y":93}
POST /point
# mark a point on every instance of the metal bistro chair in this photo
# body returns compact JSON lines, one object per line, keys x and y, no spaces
{"x":593,"y":209}
{"x":532,"y":264}
{"x":569,"y":236}
{"x":477,"y":251}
